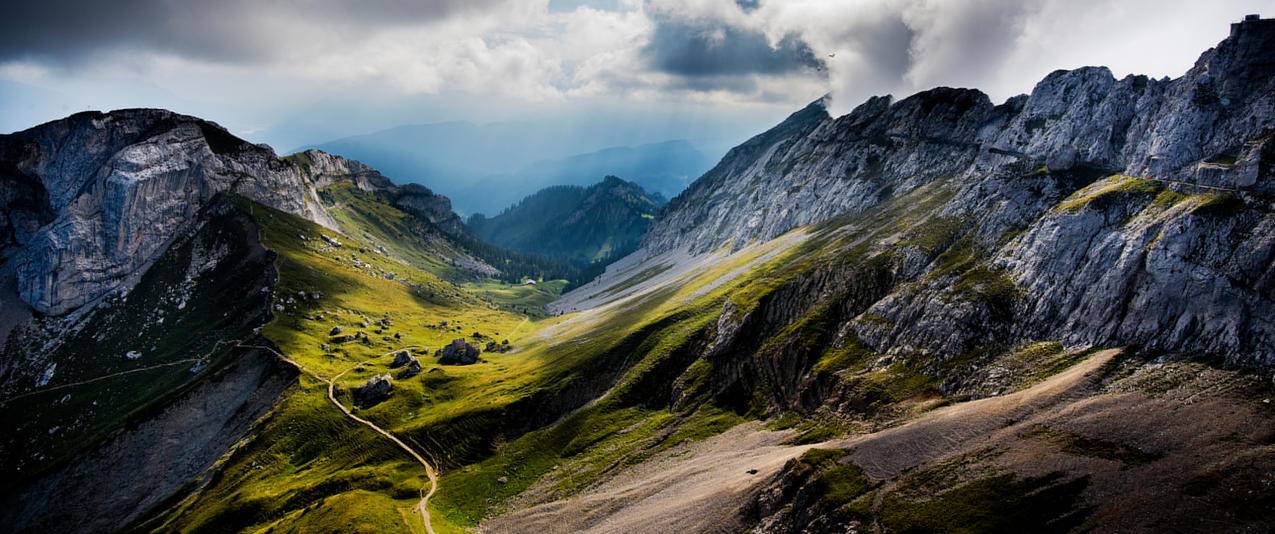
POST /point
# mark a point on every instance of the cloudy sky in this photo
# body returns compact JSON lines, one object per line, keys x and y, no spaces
{"x":291,"y":72}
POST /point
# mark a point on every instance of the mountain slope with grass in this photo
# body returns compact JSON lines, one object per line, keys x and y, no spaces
{"x":983,"y":318}
{"x":583,"y":225}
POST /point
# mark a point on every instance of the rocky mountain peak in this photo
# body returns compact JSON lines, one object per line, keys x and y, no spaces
{"x":99,"y":195}
{"x":811,"y":166}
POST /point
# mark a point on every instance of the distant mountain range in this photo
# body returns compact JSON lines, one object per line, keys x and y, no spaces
{"x":583,"y":225}
{"x":484,"y":168}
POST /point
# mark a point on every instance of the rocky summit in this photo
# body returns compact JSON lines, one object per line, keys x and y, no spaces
{"x":1199,"y":282}
{"x":102,"y":194}
{"x":936,"y":313}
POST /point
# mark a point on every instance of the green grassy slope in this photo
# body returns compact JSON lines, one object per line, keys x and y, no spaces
{"x":310,"y":464}
{"x":497,"y":427}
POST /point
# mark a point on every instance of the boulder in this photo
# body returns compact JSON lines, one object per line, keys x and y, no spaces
{"x":335,"y":331}
{"x":412,"y":368}
{"x":376,"y":390}
{"x":402,"y":358}
{"x":458,"y":352}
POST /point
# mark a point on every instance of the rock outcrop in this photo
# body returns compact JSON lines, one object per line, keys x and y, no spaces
{"x":89,"y":201}
{"x":1211,"y":126}
{"x":376,"y":390}
{"x":402,"y":358}
{"x":458,"y":352}
{"x":437,"y":209}
{"x":410,"y":369}
{"x":1058,"y":243}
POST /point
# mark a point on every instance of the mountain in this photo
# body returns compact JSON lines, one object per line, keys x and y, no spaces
{"x":151,"y":260}
{"x":664,"y":168}
{"x":456,"y":158}
{"x":579,"y":224}
{"x":934,"y":314}
{"x":1008,"y":169}
{"x":968,"y":315}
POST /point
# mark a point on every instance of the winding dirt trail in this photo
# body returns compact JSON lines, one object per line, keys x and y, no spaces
{"x":421,"y":507}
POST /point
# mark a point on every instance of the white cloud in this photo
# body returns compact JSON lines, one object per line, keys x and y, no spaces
{"x":257,"y":56}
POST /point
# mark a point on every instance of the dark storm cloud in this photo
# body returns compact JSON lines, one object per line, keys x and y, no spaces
{"x":694,"y":49}
{"x":235,"y":30}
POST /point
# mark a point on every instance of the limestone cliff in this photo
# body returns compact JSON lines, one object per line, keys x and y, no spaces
{"x":1211,"y":126}
{"x":1094,"y":211}
{"x":89,"y":201}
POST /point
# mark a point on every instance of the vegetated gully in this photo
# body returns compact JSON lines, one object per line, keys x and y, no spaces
{"x":429,"y":469}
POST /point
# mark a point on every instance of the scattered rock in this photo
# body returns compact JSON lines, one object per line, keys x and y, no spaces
{"x":375,"y":391}
{"x":458,"y":352}
{"x":401,"y":358}
{"x":412,"y":368}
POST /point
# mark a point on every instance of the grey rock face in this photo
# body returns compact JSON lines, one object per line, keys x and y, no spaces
{"x":437,"y":209}
{"x":1176,"y":263}
{"x":812,"y":167}
{"x":1184,"y":277}
{"x":92,"y":199}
